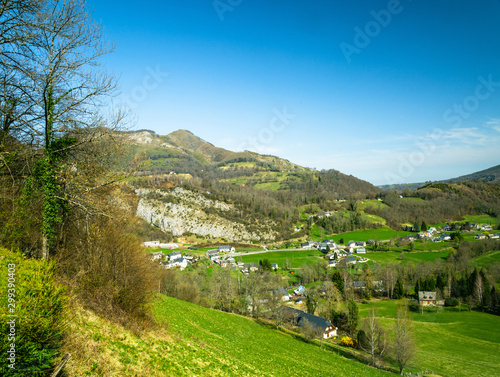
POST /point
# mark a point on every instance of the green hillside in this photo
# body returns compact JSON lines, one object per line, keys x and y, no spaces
{"x":450,"y":343}
{"x":197,"y":341}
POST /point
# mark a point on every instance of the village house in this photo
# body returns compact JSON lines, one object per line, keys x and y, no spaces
{"x":169,"y":246}
{"x":250,"y":267}
{"x":486,"y":227}
{"x":494,"y":236}
{"x":174,"y":255}
{"x":480,"y":236}
{"x":361,"y":250}
{"x":447,"y":228}
{"x":226,"y":249}
{"x":350,"y":260}
{"x":427,"y":298}
{"x":300,"y":290}
{"x":157,"y":256}
{"x":445,"y":237}
{"x":151,"y":243}
{"x":332,"y":263}
{"x":282,"y":293}
{"x":274,"y":266}
{"x":213,"y":255}
{"x":180,"y":262}
{"x":323,"y":327}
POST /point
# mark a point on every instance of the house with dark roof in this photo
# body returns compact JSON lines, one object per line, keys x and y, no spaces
{"x":350,"y":260}
{"x":324,"y":328}
{"x":248,"y":267}
{"x":427,"y":298}
{"x":282,"y":293}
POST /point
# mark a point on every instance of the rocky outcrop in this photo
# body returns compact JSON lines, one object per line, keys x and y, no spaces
{"x":182,"y":211}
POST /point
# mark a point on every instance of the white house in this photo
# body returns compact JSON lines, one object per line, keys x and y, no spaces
{"x":170,"y":246}
{"x":151,"y":243}
{"x":226,"y":249}
{"x":175,"y":255}
{"x":156,"y":256}
{"x":332,"y":263}
{"x":213,"y":255}
{"x":300,"y":290}
{"x":181,"y":263}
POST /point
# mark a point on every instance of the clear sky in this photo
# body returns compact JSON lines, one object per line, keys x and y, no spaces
{"x":388,"y":91}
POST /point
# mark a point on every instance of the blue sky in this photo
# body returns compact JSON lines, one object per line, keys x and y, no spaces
{"x":388,"y":91}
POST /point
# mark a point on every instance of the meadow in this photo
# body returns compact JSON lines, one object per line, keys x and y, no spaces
{"x":379,"y":234}
{"x":487,"y":259}
{"x":211,"y":343}
{"x":296,"y":258}
{"x":395,"y":257}
{"x":449,"y":342}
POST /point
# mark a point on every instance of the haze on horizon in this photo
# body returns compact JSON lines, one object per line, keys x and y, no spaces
{"x":388,"y":91}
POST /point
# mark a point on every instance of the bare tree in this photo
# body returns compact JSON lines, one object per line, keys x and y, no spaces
{"x":403,"y":347}
{"x":308,"y":330}
{"x":64,"y":91}
{"x":375,"y":340}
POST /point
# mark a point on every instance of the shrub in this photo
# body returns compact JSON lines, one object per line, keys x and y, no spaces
{"x":347,"y":341}
{"x":41,"y":314}
{"x":109,"y":272}
{"x":413,"y":306}
{"x":451,"y":301}
{"x":361,"y":338}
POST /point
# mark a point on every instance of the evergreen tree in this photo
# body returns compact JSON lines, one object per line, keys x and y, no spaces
{"x":423,"y":227}
{"x":399,"y":290}
{"x":353,"y":315}
{"x":339,"y":282}
{"x":311,"y":304}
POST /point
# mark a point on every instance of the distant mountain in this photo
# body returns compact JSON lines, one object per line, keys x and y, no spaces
{"x":491,"y":175}
{"x":403,"y":186}
{"x":182,"y":152}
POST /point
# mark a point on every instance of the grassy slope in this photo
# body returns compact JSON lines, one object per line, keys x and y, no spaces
{"x":197,"y":341}
{"x":391,"y":256}
{"x":216,"y":343}
{"x":296,"y":258}
{"x":450,"y":343}
{"x":487,"y":259}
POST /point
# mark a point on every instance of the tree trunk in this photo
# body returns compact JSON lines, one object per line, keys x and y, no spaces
{"x":45,"y":247}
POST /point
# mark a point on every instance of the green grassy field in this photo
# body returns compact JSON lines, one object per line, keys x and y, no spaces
{"x":451,"y":343}
{"x":487,"y":259}
{"x":390,"y":256}
{"x":382,"y":233}
{"x":481,"y":219}
{"x":297,"y":258}
{"x":208,"y":342}
{"x":372,"y":203}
